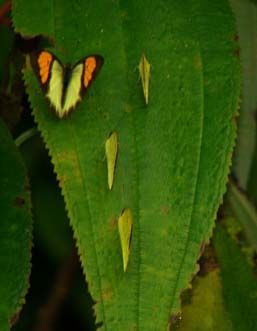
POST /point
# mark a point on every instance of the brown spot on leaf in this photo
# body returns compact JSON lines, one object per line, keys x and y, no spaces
{"x":202,"y":248}
{"x":234,"y":118}
{"x":107,"y":294}
{"x":165,"y":210}
{"x":198,"y":62}
{"x":14,"y":318}
{"x":27,"y":187}
{"x":113,"y":223}
{"x":175,"y":320}
{"x":186,"y":296}
{"x":236,"y":37}
{"x":208,"y":261}
{"x":62,"y":180}
{"x":237,"y":52}
{"x":19,"y":202}
{"x":241,"y":239}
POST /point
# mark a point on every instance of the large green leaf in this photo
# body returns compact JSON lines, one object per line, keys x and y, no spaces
{"x":173,"y":156}
{"x":246,"y":19}
{"x":15,"y":231}
{"x":239,"y":282}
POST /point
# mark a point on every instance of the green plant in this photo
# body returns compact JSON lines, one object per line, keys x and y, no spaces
{"x":173,"y":160}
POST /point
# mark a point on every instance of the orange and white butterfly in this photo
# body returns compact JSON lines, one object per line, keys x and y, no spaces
{"x":65,"y":85}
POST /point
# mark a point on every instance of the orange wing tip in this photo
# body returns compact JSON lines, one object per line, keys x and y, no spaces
{"x":44,"y":62}
{"x":90,"y":66}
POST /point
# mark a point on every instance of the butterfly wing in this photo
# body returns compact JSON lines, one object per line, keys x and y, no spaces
{"x":83,"y":74}
{"x":55,"y":88}
{"x":50,"y":73}
{"x":73,"y":93}
{"x":92,"y":65}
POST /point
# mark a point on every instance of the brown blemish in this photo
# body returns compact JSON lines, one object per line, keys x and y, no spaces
{"x":14,"y":318}
{"x":236,"y":37}
{"x":240,"y":237}
{"x":19,"y":202}
{"x":27,"y":187}
{"x":234,"y":118}
{"x":198,"y":62}
{"x":202,"y":248}
{"x":107,"y":295}
{"x":113,"y":223}
{"x":207,"y":261}
{"x":62,"y":180}
{"x":237,"y":52}
{"x":175,"y":320}
{"x":165,"y":210}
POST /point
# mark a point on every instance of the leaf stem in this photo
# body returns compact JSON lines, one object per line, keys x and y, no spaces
{"x":25,"y":136}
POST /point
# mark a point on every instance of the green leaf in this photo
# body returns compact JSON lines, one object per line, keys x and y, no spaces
{"x":48,"y":207}
{"x":206,"y":311}
{"x":173,"y":154}
{"x":239,"y":282}
{"x":15,"y":231}
{"x":246,"y":19}
{"x":244,"y":211}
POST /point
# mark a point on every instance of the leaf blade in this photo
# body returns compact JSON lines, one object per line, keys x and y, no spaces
{"x":16,"y":231}
{"x":164,"y":150}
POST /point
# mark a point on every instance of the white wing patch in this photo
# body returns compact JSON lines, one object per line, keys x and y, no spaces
{"x":73,"y":91}
{"x":55,"y":88}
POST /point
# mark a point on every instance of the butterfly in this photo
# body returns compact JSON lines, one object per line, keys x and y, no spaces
{"x":65,"y":85}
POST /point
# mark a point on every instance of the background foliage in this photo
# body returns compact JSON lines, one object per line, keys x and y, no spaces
{"x":192,"y":105}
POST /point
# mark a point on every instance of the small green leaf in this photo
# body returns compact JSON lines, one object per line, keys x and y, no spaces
{"x":15,"y":231}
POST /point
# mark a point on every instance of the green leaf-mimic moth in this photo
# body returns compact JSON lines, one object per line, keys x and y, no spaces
{"x":111,"y":150}
{"x":144,"y":70}
{"x":125,"y":232}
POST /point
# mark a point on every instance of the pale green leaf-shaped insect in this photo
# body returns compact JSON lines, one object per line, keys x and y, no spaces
{"x":125,"y":224}
{"x":111,"y":151}
{"x":144,"y":70}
